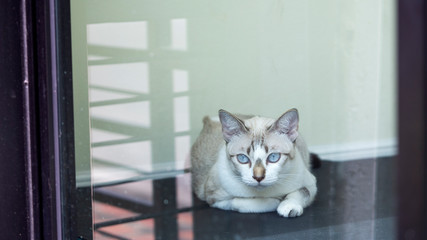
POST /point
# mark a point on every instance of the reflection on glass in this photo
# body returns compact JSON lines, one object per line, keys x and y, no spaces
{"x":121,"y":78}
{"x":120,"y":101}
{"x":145,"y":74}
{"x":180,"y":80}
{"x":139,"y":123}
{"x":179,"y":34}
{"x":131,"y":35}
{"x":181,"y":107}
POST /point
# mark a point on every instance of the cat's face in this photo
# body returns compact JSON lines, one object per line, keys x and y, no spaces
{"x":259,"y":148}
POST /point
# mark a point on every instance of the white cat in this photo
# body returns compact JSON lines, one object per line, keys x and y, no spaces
{"x":262,"y":166}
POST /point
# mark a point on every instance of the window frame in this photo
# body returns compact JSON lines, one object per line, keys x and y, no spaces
{"x":412,"y":120}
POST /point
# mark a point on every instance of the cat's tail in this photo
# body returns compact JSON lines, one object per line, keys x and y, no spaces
{"x":315,"y":161}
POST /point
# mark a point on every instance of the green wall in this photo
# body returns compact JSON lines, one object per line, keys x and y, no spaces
{"x":333,"y":60}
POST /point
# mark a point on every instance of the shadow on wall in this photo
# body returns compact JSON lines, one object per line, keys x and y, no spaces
{"x":129,"y":111}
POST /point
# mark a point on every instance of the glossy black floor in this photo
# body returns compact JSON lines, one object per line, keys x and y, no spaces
{"x":355,"y":200}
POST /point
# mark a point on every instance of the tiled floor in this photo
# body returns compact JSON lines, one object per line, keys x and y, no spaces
{"x":355,"y":200}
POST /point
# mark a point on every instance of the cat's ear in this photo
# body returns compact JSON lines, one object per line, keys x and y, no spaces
{"x":231,"y":125}
{"x":287,"y":124}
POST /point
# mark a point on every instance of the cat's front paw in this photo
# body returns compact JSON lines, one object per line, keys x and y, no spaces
{"x":290,"y":209}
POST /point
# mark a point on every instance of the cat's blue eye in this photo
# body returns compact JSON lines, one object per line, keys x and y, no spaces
{"x":242,"y":158}
{"x":274,"y":157}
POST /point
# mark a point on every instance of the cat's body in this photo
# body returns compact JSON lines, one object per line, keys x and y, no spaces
{"x":262,"y":166}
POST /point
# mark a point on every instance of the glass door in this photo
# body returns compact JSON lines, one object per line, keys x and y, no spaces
{"x":146,"y":73}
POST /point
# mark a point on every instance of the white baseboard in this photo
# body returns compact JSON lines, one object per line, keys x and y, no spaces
{"x":356,"y":151}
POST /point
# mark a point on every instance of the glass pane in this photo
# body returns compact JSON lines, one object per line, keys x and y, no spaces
{"x":146,"y":74}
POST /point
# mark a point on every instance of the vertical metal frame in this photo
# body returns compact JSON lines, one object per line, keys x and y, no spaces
{"x":19,"y":217}
{"x":47,"y":109}
{"x":74,"y":203}
{"x":51,"y":229}
{"x":67,"y":209}
{"x":412,"y":130}
{"x":37,"y":172}
{"x":53,"y":108}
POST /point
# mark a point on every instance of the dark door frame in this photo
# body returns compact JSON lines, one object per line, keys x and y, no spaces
{"x":412,"y":112}
{"x":36,"y":128}
{"x":18,"y":202}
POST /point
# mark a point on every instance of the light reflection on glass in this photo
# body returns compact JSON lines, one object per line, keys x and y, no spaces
{"x":180,"y":80}
{"x":126,"y":78}
{"x":128,"y":145}
{"x":181,"y":113}
{"x":119,"y":34}
{"x":179,"y":34}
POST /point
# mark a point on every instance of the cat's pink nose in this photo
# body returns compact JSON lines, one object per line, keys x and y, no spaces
{"x":259,"y":179}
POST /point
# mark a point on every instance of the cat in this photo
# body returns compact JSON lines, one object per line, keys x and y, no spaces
{"x":253,"y":164}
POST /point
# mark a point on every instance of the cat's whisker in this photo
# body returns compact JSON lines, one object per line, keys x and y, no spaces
{"x":289,"y":174}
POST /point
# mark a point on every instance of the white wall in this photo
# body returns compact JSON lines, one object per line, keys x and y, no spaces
{"x":333,"y":60}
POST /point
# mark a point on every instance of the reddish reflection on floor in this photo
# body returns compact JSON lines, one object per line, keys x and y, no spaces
{"x":185,"y":226}
{"x":143,"y":229}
